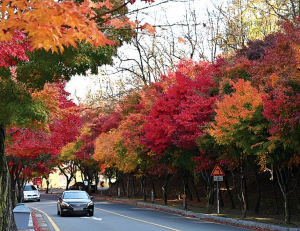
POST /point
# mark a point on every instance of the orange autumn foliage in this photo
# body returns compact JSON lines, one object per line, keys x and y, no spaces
{"x":105,"y":151}
{"x":50,"y":97}
{"x":53,"y":25}
{"x":233,"y":109}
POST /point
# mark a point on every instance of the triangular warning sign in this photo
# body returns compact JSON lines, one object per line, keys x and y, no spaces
{"x":217,"y":171}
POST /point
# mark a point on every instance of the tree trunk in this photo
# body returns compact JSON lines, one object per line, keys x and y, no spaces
{"x":229,"y":192}
{"x":275,"y":197}
{"x":7,"y":222}
{"x":298,"y":199}
{"x":296,"y":183}
{"x":153,"y":186}
{"x":20,"y":194}
{"x":287,"y":216}
{"x":283,"y":177}
{"x":69,"y":179}
{"x":187,"y":187}
{"x":209,"y":196}
{"x":13,"y":184}
{"x":96,"y":175}
{"x":47,"y":188}
{"x":117,"y":181}
{"x":196,"y":191}
{"x":212,"y":197}
{"x":258,"y":188}
{"x":243,"y":197}
{"x":143,"y":186}
{"x":185,"y":180}
{"x":209,"y":188}
{"x":184,"y":192}
{"x":164,"y":188}
{"x":133,"y":185}
{"x":127,"y":185}
{"x":68,"y":182}
{"x":246,"y":192}
{"x":240,"y":193}
{"x":221,"y":199}
{"x":109,"y":186}
{"x":123,"y":186}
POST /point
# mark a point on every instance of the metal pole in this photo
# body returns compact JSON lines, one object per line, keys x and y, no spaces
{"x":218,"y":197}
{"x":119,"y":192}
{"x":152,"y":196}
{"x":184,"y":199}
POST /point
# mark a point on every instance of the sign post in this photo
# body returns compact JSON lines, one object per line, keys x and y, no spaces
{"x":218,"y":174}
{"x":184,"y":198}
{"x":101,"y":184}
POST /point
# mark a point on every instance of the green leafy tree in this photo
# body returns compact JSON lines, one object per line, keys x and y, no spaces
{"x":239,"y":123}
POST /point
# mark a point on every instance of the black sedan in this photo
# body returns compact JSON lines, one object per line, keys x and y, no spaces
{"x":75,"y":202}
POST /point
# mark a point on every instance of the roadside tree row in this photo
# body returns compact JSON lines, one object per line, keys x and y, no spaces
{"x":241,"y":111}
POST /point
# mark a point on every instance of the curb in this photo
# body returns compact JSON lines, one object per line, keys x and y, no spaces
{"x":39,"y":222}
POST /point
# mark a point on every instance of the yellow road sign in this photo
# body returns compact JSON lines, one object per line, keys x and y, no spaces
{"x":217,"y":171}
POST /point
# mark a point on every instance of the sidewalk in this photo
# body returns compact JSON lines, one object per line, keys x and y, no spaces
{"x":38,"y":223}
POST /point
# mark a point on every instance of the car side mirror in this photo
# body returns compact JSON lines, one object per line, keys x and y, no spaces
{"x":92,"y":197}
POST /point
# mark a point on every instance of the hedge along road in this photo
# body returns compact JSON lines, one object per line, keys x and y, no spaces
{"x":121,"y":217}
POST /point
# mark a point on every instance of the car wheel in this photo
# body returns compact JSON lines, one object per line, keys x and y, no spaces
{"x":38,"y":200}
{"x":91,"y":213}
{"x":58,"y":212}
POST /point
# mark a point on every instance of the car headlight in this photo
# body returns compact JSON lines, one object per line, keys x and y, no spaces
{"x":65,"y":204}
{"x":90,"y":204}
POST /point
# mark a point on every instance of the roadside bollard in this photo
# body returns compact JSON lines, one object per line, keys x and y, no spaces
{"x":119,"y":192}
{"x":152,"y":196}
{"x":21,"y":215}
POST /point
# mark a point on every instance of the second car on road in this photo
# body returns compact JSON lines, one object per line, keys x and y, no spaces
{"x":31,"y":193}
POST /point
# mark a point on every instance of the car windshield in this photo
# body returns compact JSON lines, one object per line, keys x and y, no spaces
{"x":29,"y":188}
{"x":75,"y":195}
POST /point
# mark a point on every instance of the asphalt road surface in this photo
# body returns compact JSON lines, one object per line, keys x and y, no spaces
{"x":111,"y":216}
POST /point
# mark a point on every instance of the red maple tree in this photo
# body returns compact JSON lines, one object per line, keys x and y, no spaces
{"x":33,"y":149}
{"x":178,"y":116}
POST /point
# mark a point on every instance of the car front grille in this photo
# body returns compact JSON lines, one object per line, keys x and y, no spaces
{"x":77,"y":206}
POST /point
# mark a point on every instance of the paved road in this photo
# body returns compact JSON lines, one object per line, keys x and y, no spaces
{"x":111,"y":216}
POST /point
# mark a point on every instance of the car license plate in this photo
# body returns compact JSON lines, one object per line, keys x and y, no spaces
{"x":77,"y":207}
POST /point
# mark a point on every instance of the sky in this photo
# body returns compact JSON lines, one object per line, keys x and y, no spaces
{"x":173,"y":10}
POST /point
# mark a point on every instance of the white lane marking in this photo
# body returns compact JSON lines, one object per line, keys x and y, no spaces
{"x":94,"y":218}
{"x":132,"y":218}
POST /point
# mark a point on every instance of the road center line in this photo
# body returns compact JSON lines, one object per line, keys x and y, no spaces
{"x":49,"y":218}
{"x":118,"y":214}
